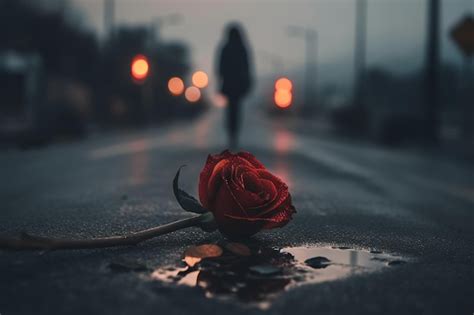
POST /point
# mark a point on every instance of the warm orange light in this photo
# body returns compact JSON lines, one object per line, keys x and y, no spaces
{"x":200,"y":79}
{"x":283,"y":84}
{"x":220,"y":100}
{"x":176,"y":86}
{"x":283,"y":98}
{"x":139,"y":67}
{"x":192,"y":94}
{"x":283,"y":141}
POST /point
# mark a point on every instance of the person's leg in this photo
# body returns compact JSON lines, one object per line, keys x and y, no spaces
{"x":236,"y":124}
{"x":233,"y":122}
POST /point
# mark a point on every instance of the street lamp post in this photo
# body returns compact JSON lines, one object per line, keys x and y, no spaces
{"x":360,"y":51}
{"x":153,"y":36}
{"x":431,"y":106}
{"x":109,"y":17}
{"x":311,"y":87}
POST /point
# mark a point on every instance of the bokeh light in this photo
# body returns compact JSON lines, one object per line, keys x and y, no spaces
{"x":200,"y":79}
{"x":139,"y":67}
{"x":192,"y":94}
{"x":220,"y":101}
{"x":283,"y":84}
{"x":283,"y":140}
{"x":283,"y":98}
{"x":176,"y":86}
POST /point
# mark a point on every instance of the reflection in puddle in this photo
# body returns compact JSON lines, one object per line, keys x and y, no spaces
{"x":257,"y":279}
{"x":342,"y":262}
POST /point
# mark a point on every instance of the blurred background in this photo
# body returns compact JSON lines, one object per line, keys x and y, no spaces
{"x":363,"y":107}
{"x":392,"y":72}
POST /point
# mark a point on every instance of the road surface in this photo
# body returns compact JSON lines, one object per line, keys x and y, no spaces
{"x":413,"y":204}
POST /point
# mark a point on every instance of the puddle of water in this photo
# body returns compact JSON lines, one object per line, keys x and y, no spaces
{"x":257,"y":279}
{"x":343,"y":262}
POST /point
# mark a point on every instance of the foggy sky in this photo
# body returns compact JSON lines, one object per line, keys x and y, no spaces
{"x":395,"y":39}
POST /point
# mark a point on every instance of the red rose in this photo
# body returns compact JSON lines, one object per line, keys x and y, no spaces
{"x":243,"y":196}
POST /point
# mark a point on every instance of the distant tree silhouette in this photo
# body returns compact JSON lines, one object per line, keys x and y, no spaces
{"x":64,"y":48}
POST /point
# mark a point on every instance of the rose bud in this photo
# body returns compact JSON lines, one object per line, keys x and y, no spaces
{"x":242,"y":195}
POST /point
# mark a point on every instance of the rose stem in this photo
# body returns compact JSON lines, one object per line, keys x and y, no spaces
{"x":36,"y":242}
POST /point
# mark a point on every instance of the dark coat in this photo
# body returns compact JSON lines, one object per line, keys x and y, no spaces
{"x":233,"y":70}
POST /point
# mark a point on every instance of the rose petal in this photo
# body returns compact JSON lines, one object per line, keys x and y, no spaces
{"x":215,"y":180}
{"x":278,"y":219}
{"x":243,"y":196}
{"x":242,"y":158}
{"x":253,"y":200}
{"x":263,"y":191}
{"x":247,"y":199}
{"x":206,"y":173}
{"x":282,"y":216}
{"x":226,"y":202}
{"x":204,"y":179}
{"x":251,"y":181}
{"x":269,"y":176}
{"x":250,"y":158}
{"x":236,"y":175}
{"x":236,"y":160}
{"x":282,"y":193}
{"x":258,"y":194}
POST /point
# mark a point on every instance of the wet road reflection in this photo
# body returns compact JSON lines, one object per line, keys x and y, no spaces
{"x":256,"y":280}
{"x":283,"y":142}
{"x":139,"y":168}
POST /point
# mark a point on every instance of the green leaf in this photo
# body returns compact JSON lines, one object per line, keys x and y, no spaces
{"x":185,"y":200}
{"x":208,"y":224}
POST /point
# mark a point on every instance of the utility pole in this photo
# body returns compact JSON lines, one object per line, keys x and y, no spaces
{"x":463,"y":35}
{"x":151,"y":45}
{"x":310,"y":37}
{"x":104,"y":80}
{"x":431,"y":101}
{"x":311,"y":76}
{"x":360,"y":52}
{"x":109,"y":17}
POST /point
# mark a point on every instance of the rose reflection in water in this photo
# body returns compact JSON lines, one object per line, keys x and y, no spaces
{"x":256,"y":280}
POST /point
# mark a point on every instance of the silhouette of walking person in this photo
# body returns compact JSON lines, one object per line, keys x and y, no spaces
{"x":233,"y":72}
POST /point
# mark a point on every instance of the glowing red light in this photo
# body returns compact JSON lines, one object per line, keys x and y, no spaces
{"x":192,"y":94}
{"x":200,"y":79}
{"x":140,"y":67}
{"x":176,"y":86}
{"x":283,"y":96}
{"x":283,"y":84}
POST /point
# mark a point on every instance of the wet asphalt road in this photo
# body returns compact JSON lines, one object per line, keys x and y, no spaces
{"x":409,"y":203}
